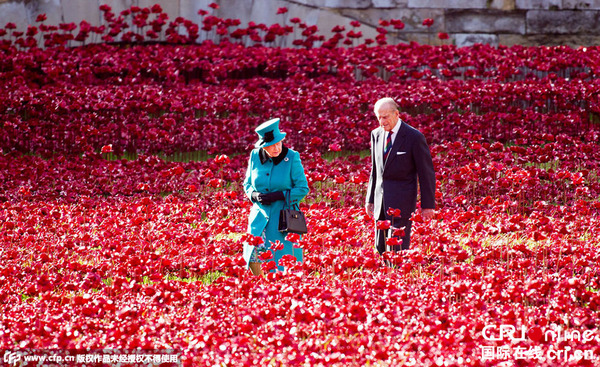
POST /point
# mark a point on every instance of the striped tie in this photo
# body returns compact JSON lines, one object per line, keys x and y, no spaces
{"x":388,"y":146}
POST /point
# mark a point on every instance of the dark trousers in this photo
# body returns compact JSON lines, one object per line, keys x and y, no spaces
{"x":382,"y":235}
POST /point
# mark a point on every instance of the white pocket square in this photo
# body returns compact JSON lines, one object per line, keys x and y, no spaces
{"x":400,"y":153}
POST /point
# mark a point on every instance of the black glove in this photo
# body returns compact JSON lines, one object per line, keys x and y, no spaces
{"x":271,"y":197}
{"x":267,"y":198}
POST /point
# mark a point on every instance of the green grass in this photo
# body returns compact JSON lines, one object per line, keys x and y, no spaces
{"x":329,"y":156}
{"x":555,"y":165}
{"x":195,"y":156}
{"x":230,"y":236}
{"x":206,"y":279}
{"x":210,"y":277}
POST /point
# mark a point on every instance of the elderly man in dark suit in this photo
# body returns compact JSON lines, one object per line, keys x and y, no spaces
{"x":400,"y":159}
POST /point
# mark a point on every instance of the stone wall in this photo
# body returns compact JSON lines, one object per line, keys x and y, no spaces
{"x":507,"y":22}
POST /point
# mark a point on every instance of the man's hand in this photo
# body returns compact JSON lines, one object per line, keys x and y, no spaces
{"x":427,"y":214}
{"x":369,"y":209}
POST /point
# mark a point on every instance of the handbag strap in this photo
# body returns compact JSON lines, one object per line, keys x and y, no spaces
{"x":286,"y":193}
{"x":288,"y":204}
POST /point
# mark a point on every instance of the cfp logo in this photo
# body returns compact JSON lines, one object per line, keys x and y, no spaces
{"x":12,"y":358}
{"x":506,"y":331}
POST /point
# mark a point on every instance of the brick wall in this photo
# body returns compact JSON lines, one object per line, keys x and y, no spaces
{"x":508,"y":22}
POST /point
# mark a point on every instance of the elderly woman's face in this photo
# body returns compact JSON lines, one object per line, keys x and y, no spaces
{"x":273,"y":150}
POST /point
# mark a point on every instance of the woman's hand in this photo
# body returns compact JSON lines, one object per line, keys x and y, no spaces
{"x":267,"y":198}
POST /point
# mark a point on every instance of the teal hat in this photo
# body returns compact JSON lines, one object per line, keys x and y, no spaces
{"x":269,"y":133}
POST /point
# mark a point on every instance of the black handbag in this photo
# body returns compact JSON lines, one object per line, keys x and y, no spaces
{"x":291,"y":220}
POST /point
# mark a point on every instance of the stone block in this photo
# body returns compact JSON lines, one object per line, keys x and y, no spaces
{"x":448,"y":4}
{"x":387,"y":4}
{"x":412,"y":18}
{"x":502,"y":4}
{"x":351,"y":4}
{"x":513,"y":39}
{"x":358,"y":4}
{"x":188,"y":9}
{"x":326,"y":20}
{"x":13,"y":12}
{"x":563,"y":22}
{"x":52,"y":9}
{"x":469,"y":39}
{"x":266,"y":11}
{"x":581,"y":4}
{"x":538,"y":4}
{"x":75,"y":11}
{"x":573,"y":41}
{"x":485,"y":22}
{"x":422,"y":38}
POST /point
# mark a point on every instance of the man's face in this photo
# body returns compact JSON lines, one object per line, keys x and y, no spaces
{"x":273,"y":150}
{"x":387,"y":117}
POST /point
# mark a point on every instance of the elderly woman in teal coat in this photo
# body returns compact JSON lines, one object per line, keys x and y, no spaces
{"x":274,"y":173}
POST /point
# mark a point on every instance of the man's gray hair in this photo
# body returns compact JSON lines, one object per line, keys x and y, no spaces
{"x":387,"y":101}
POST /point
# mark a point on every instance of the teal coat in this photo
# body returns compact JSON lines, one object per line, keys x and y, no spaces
{"x":266,"y":176}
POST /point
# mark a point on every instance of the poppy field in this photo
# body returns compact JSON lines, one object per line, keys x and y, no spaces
{"x":122,"y":214}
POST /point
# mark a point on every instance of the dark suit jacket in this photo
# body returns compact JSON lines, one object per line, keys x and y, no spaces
{"x":393,"y":184}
